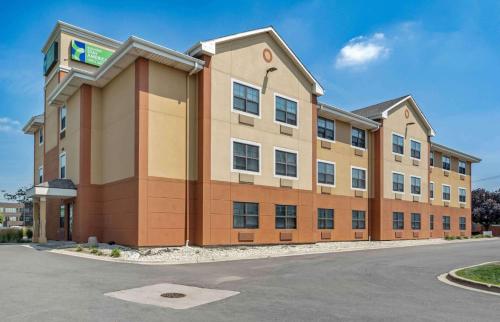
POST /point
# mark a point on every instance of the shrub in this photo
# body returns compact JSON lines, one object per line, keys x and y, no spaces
{"x":99,"y":253}
{"x":93,"y":250}
{"x":29,"y":233}
{"x":459,"y":237}
{"x":78,"y":248}
{"x":115,"y":253}
{"x":11,"y":235}
{"x":465,"y":237}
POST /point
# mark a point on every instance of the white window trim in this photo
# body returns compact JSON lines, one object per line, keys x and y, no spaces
{"x":416,"y":141}
{"x":357,"y":147}
{"x":63,"y":154}
{"x":433,"y":189}
{"x":461,"y":202}
{"x":277,"y":148}
{"x":60,"y":118}
{"x":392,"y":182}
{"x":234,"y":80}
{"x":334,"y":174}
{"x":458,"y":169}
{"x":392,"y":143}
{"x":40,"y":134}
{"x":442,"y":191}
{"x":246,"y":142}
{"x":290,"y":99}
{"x":415,"y":194}
{"x":442,"y":162}
{"x":40,"y":170}
{"x":334,"y":131}
{"x":366,"y":178}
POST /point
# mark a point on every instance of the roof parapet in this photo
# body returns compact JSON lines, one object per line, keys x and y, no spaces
{"x":460,"y":155}
{"x":33,"y":124}
{"x":351,"y":118}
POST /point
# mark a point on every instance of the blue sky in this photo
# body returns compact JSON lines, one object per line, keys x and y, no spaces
{"x":445,"y":53}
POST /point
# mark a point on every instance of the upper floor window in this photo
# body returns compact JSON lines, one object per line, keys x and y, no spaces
{"x":462,"y":195}
{"x":446,"y":162}
{"x":40,"y":136}
{"x":245,"y":215}
{"x":358,"y":138}
{"x":431,"y":190}
{"x":246,"y":99}
{"x":431,"y":159}
{"x":62,"y":118}
{"x":461,"y":167}
{"x":62,"y":165}
{"x":462,"y":224}
{"x":326,"y":129}
{"x":286,"y":217}
{"x":415,"y":149}
{"x":358,"y":178}
{"x":246,"y":156}
{"x":398,"y":220}
{"x":431,"y":222}
{"x":446,"y":192}
{"x":326,"y":173}
{"x":286,"y":111}
{"x":446,"y":222}
{"x":358,"y":219}
{"x":415,"y":185}
{"x":325,"y":218}
{"x":415,"y":221}
{"x":285,"y":163}
{"x":398,"y":145}
{"x":40,"y":174}
{"x":398,"y":182}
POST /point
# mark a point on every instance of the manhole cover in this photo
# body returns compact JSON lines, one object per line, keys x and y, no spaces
{"x":173,"y":295}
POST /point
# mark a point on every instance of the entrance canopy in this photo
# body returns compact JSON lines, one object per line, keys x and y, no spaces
{"x":57,"y":188}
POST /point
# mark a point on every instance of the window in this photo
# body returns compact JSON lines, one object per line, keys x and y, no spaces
{"x":325,"y":218}
{"x":246,"y":157}
{"x":398,"y":220}
{"x":286,"y":217}
{"x":415,"y":185}
{"x":446,"y":222}
{"x":462,"y":195}
{"x":326,"y":129}
{"x":246,"y":99}
{"x":446,"y":192}
{"x":358,"y":219}
{"x":62,"y":216}
{"x":415,"y":221}
{"x":40,"y":174}
{"x":431,"y":159}
{"x":245,"y":215}
{"x":40,"y":136}
{"x":446,"y":162}
{"x":358,"y":178}
{"x":286,"y":111}
{"x":431,"y":190}
{"x":415,"y":149}
{"x":62,"y":119}
{"x":462,"y":223}
{"x":326,"y":173}
{"x":431,"y":222}
{"x":461,"y":167}
{"x":398,"y":146}
{"x":398,"y":182}
{"x":62,"y":165}
{"x":285,"y":163}
{"x":358,"y":138}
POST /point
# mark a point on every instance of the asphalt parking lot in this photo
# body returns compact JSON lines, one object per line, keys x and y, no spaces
{"x":378,"y":285}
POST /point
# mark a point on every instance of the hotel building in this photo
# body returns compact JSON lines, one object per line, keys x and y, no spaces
{"x":228,"y":143}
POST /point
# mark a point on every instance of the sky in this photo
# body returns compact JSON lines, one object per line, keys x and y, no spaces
{"x":445,"y":53}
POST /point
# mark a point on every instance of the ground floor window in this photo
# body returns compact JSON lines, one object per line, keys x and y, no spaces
{"x":415,"y":221}
{"x":325,"y":218}
{"x":245,"y":215}
{"x":462,"y":223}
{"x":358,"y":219}
{"x":286,"y":217}
{"x":398,"y":220}
{"x":62,"y":216}
{"x":446,"y":222}
{"x":431,"y":222}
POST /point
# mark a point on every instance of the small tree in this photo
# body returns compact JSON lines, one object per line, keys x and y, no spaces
{"x":20,"y":196}
{"x":485,"y":207}
{"x":1,"y":219}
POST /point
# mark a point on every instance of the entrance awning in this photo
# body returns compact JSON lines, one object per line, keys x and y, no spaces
{"x":57,"y":188}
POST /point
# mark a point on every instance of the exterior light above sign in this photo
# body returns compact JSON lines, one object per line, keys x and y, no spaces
{"x":89,"y":54}
{"x":50,"y":58}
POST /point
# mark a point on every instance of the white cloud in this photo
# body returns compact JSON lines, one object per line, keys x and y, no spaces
{"x":362,"y":50}
{"x":9,"y":125}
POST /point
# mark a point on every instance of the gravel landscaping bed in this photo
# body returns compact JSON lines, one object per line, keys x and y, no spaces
{"x":194,"y":254}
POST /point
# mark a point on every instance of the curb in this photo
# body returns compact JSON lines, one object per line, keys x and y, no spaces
{"x":452,"y":276}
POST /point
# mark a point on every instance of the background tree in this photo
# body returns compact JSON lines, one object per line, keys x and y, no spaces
{"x":485,"y":207}
{"x":20,"y":196}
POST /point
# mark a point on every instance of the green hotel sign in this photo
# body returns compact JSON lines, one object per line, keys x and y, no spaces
{"x":89,"y":54}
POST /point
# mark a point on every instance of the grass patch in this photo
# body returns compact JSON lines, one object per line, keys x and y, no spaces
{"x":488,"y":273}
{"x":115,"y":253}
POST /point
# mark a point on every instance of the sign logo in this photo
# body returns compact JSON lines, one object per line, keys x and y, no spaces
{"x":89,"y":54}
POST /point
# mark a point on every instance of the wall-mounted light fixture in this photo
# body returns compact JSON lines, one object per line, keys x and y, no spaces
{"x":270,"y":70}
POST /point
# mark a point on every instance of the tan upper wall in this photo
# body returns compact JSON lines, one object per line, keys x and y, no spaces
{"x":113,"y":129}
{"x":343,"y":155}
{"x":396,"y":123}
{"x":242,"y":60}
{"x":167,"y":134}
{"x":71,"y":141}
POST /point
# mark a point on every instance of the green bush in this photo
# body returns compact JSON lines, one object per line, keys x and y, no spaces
{"x":459,"y":237}
{"x":115,"y":253}
{"x":11,"y":235}
{"x":29,"y":233}
{"x":100,"y":253}
{"x":78,"y":248}
{"x":94,"y":250}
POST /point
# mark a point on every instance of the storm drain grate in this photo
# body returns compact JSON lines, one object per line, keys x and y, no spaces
{"x":173,"y":295}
